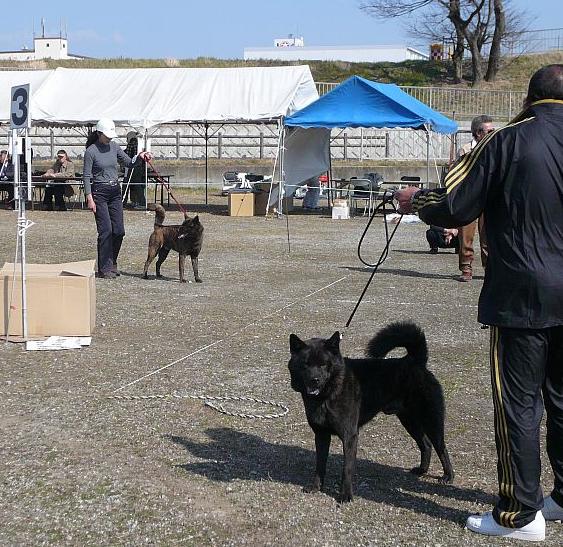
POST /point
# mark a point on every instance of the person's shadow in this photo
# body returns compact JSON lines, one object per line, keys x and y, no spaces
{"x":232,"y":455}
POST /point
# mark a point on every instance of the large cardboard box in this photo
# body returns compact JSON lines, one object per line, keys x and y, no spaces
{"x":241,"y":204}
{"x":61,"y":299}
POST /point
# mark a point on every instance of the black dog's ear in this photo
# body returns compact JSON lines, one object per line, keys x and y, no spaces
{"x":333,"y":343}
{"x":295,"y":343}
{"x":195,"y":220}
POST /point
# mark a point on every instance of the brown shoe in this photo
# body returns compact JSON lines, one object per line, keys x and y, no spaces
{"x":466,"y":275}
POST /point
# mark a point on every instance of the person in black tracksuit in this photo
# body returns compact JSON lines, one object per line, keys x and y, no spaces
{"x":515,"y":176}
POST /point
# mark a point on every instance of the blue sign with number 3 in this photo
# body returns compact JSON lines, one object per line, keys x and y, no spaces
{"x":19,"y":116}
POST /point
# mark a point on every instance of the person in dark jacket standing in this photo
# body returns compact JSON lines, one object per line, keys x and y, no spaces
{"x":103,"y":194}
{"x":515,"y":176}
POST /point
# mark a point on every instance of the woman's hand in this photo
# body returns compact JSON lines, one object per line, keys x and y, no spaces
{"x":145,"y":156}
{"x":91,"y":203}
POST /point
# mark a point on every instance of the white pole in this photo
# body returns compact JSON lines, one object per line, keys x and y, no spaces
{"x":281,"y":171}
{"x":146,"y":146}
{"x":427,"y":155}
{"x":20,"y":196}
{"x":280,"y":129}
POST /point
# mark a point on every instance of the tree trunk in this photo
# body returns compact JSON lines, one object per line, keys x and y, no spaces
{"x":495,"y":52}
{"x":476,"y":63}
{"x":457,"y":59}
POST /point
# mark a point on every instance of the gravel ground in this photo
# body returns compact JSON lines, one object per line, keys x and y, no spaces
{"x":79,"y":469}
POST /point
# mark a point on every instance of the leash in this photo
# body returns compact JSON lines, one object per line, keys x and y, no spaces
{"x":209,"y":401}
{"x":166,"y":185}
{"x":384,"y":254}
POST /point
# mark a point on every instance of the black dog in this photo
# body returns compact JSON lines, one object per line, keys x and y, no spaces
{"x":341,"y":395}
{"x":186,"y":239}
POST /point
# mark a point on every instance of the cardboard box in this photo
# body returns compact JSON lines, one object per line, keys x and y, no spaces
{"x":341,"y":212}
{"x":261,"y":202}
{"x":241,"y":204}
{"x":61,"y":299}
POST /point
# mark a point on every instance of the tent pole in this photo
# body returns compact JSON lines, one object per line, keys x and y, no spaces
{"x":146,"y":165}
{"x":329,"y":196}
{"x":427,"y":156}
{"x":281,"y":171}
{"x":281,"y":129}
{"x":206,"y":159}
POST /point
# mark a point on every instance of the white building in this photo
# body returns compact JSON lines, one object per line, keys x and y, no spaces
{"x":353,"y":54}
{"x":43,"y":48}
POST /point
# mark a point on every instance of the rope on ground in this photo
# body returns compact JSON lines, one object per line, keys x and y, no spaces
{"x":213,"y":402}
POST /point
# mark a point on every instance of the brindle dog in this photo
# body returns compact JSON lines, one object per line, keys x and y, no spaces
{"x":186,"y":239}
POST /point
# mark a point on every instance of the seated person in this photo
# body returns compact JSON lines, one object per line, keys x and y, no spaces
{"x":443,"y":238}
{"x":62,"y":168}
{"x":7,"y":174}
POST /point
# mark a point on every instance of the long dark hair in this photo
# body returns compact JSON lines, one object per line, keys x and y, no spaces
{"x":92,"y":138}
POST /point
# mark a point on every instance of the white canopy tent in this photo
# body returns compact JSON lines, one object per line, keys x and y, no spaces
{"x":146,"y":97}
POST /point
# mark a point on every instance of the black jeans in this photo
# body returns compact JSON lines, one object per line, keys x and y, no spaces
{"x":436,"y":239}
{"x":58,"y":192}
{"x":526,"y":363}
{"x":109,"y":222}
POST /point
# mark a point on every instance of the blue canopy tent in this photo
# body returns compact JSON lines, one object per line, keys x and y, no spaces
{"x":356,"y":102}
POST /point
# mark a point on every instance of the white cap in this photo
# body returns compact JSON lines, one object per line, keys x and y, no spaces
{"x":107,"y":127}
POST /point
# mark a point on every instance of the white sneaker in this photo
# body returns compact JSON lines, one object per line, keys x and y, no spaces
{"x":485,"y":524}
{"x":551,"y":510}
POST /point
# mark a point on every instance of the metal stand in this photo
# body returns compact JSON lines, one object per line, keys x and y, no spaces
{"x":21,"y":195}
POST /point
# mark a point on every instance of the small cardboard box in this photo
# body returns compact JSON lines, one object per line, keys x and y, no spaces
{"x":241,"y":204}
{"x":261,"y":202}
{"x":61,"y":299}
{"x":341,"y":212}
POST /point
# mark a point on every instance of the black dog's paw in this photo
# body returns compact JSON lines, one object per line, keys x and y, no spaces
{"x":158,"y":276}
{"x":345,"y":498}
{"x":198,"y":280}
{"x":311,"y":489}
{"x":183,"y":280}
{"x":446,"y":479}
{"x":145,"y":276}
{"x":418,"y":471}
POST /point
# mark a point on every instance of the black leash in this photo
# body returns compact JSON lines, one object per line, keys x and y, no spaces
{"x":387,"y":198}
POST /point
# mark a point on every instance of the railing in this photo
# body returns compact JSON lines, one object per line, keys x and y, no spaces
{"x":463,"y":104}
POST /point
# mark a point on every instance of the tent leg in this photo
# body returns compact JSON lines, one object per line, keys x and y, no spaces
{"x":427,"y":157}
{"x":206,"y":160}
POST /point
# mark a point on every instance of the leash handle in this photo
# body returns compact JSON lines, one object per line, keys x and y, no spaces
{"x":166,"y":185}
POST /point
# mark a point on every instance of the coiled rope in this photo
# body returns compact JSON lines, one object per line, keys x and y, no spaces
{"x":212,"y":402}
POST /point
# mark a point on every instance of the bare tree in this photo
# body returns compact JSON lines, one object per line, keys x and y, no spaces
{"x":468,"y":24}
{"x":499,"y":33}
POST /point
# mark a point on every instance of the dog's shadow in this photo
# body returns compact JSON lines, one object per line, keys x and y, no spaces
{"x":232,"y":455}
{"x":151,"y":277}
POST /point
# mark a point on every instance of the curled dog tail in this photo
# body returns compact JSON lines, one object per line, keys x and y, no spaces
{"x":406,"y":335}
{"x":160,"y":213}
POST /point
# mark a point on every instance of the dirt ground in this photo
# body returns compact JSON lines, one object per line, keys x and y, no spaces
{"x":80,"y":469}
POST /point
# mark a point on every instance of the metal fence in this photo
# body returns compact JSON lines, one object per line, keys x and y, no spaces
{"x":460,"y":103}
{"x":534,"y":41}
{"x":243,"y":141}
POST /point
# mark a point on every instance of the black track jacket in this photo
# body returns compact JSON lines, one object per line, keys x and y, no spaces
{"x":514,"y":176}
